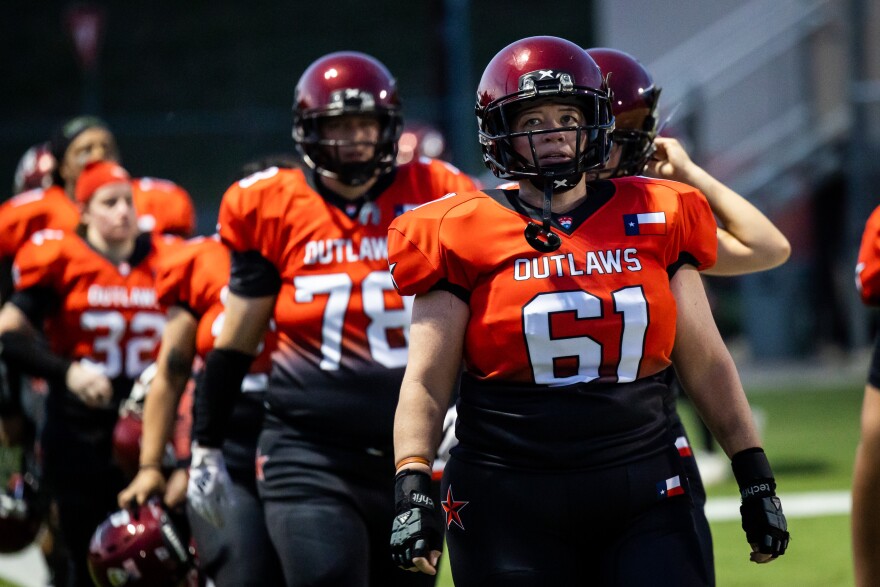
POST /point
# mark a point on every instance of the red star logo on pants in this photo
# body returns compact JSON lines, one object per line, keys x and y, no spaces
{"x":452,"y":507}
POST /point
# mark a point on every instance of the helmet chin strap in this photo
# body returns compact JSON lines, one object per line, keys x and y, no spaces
{"x":542,"y":238}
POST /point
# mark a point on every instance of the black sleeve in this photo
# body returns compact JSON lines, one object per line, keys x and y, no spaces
{"x":216,"y":393}
{"x":253,"y":276}
{"x":456,"y":290}
{"x":684,"y":258}
{"x":874,"y":369}
{"x":36,"y":303}
{"x":31,"y":357}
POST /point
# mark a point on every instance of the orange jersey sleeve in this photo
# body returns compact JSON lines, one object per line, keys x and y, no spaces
{"x":107,"y":314}
{"x":868,"y":263}
{"x":598,"y":308}
{"x":163,"y":207}
{"x":29,"y":212}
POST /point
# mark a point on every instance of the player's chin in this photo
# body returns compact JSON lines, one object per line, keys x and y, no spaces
{"x":422,"y":564}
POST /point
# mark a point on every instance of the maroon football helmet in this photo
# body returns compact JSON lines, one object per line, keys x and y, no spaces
{"x":533,"y":69}
{"x":342,"y":84}
{"x":138,"y":547}
{"x":635,"y":103}
{"x":20,"y":514}
{"x":34,"y":169}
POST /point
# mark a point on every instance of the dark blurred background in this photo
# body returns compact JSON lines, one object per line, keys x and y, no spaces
{"x":194,"y":89}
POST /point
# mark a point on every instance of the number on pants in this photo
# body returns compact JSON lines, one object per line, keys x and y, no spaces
{"x":148,"y":325}
{"x":544,"y":350}
{"x":338,"y":287}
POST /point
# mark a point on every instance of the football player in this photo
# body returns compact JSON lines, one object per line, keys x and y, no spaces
{"x":91,"y":293}
{"x":310,"y":248}
{"x":564,"y":298}
{"x":192,"y":284}
{"x":866,"y":473}
{"x":747,"y":240}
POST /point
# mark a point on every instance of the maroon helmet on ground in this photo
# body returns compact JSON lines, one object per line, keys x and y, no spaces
{"x":138,"y":547}
{"x":34,"y":169}
{"x":340,"y":84}
{"x":533,"y":69}
{"x":20,"y":514}
{"x":635,"y":103}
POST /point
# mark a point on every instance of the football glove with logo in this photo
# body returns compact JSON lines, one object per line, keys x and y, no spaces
{"x":416,"y":530}
{"x":762,"y":518}
{"x":209,"y":491}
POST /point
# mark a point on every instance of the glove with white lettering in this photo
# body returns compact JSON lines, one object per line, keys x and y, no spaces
{"x":416,"y":530}
{"x":209,"y":491}
{"x":762,"y":518}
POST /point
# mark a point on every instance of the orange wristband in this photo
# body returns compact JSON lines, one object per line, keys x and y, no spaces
{"x":408,"y":460}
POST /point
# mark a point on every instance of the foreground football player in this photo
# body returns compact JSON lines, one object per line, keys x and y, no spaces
{"x":747,"y":240}
{"x":866,"y":472}
{"x":567,"y":301}
{"x":92,"y":294}
{"x":310,"y":247}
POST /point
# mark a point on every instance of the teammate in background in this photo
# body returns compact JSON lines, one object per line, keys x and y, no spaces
{"x":34,"y":169}
{"x":91,"y":293}
{"x":310,"y":248}
{"x":747,"y":240}
{"x":866,"y":472}
{"x":564,"y":299}
{"x":163,"y":206}
{"x":192,"y":284}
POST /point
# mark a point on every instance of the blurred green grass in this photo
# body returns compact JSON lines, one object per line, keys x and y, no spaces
{"x":810,"y":434}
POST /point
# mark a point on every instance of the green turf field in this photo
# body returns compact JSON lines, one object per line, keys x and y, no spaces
{"x":810,"y":436}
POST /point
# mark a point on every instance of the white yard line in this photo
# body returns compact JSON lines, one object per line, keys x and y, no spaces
{"x":795,"y":505}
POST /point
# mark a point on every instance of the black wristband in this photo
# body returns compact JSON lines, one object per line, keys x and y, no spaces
{"x":412,"y":488}
{"x":753,"y":474}
{"x":216,"y":393}
{"x":27,"y":354}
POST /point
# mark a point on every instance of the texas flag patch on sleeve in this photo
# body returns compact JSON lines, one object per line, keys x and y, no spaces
{"x":646,"y":223}
{"x":670,"y":488}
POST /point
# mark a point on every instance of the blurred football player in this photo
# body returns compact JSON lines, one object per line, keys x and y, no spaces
{"x":865,"y":518}
{"x":747,"y":240}
{"x":91,"y":293}
{"x":310,"y":249}
{"x":567,"y":301}
{"x":192,"y":284}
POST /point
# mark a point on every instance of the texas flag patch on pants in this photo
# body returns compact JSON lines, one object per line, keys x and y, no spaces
{"x":684,"y":448}
{"x":647,"y":223}
{"x":670,"y":488}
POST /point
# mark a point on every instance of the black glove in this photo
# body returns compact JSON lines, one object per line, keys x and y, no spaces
{"x":762,"y":517}
{"x":416,"y":530}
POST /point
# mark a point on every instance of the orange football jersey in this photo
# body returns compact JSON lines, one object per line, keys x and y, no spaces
{"x":194,"y":275}
{"x":107,"y":315}
{"x":26,"y":213}
{"x":597,"y":309}
{"x":163,"y":207}
{"x":342,"y":328}
{"x":868,"y":263}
